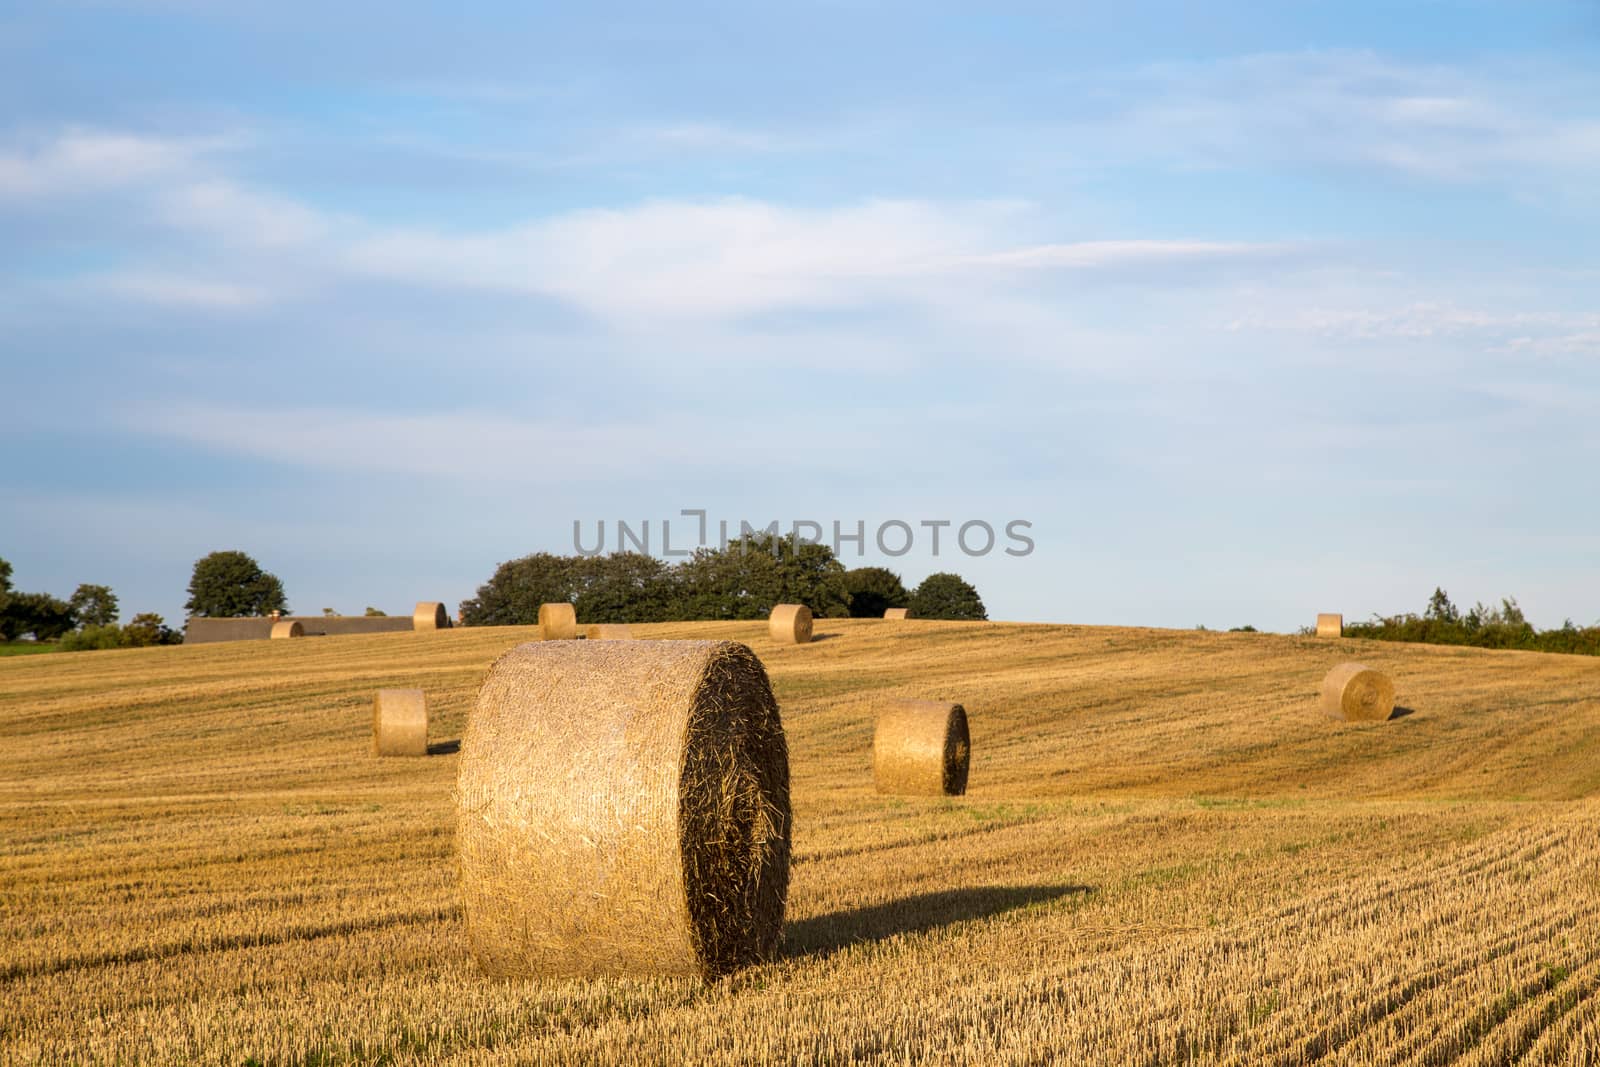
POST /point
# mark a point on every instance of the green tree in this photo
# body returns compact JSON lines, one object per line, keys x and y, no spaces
{"x":1440,"y":609}
{"x":511,"y":597}
{"x":5,"y":577}
{"x":873,"y":590}
{"x":39,"y":614}
{"x":625,"y":587}
{"x":750,"y":576}
{"x":93,"y":605}
{"x":374,"y":613}
{"x":231,"y":585}
{"x":148,"y":628}
{"x":947,"y":596}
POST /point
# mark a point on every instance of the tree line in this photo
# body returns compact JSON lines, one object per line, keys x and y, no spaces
{"x":1481,"y":626}
{"x":86,"y":619}
{"x":744,"y":580}
{"x":740,"y":581}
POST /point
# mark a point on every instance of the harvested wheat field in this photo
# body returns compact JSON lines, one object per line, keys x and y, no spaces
{"x":1165,"y":854}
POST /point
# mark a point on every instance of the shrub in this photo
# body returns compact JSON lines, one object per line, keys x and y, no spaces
{"x":947,"y":596}
{"x":873,"y":590}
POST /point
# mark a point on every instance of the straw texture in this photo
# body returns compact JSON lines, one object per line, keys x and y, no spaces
{"x":430,"y":615}
{"x":559,"y":621}
{"x":897,"y":613}
{"x":608,"y":631}
{"x":1330,"y":625}
{"x":287,"y":628}
{"x":399,"y":723}
{"x":623,"y":808}
{"x":1356,"y":692}
{"x":790,"y":624}
{"x":921,"y":747}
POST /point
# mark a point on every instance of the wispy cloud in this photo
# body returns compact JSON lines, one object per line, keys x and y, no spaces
{"x":489,"y":447}
{"x":1358,"y":109}
{"x":181,"y":291}
{"x":76,"y":161}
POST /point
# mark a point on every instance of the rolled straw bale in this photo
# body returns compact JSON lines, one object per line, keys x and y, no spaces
{"x":399,"y":723}
{"x":1357,"y":692}
{"x":559,"y":621}
{"x":897,"y":613}
{"x":430,"y":615}
{"x":287,"y":628}
{"x":623,"y":808}
{"x":1330,"y":625}
{"x":921,"y":747}
{"x":608,"y":631}
{"x":790,"y":624}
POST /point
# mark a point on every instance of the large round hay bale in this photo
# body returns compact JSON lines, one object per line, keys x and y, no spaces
{"x":430,"y":615}
{"x":921,"y":747}
{"x":399,"y":723}
{"x":1357,"y":692}
{"x":286,"y":628}
{"x":608,"y":631}
{"x":559,"y":621}
{"x":790,"y":624}
{"x":623,"y":808}
{"x":897,"y":613}
{"x":1330,"y":625}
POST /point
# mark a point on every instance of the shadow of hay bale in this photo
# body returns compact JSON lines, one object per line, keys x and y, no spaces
{"x":825,"y":934}
{"x":1400,"y":713}
{"x":444,"y":748}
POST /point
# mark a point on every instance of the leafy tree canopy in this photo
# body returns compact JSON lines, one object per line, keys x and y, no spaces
{"x":232,"y":585}
{"x":93,"y":605}
{"x":947,"y":596}
{"x":873,"y":590}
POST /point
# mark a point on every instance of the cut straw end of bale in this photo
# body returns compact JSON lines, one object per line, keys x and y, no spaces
{"x":790,"y":624}
{"x":622,"y":808}
{"x":1330,"y":625}
{"x":1357,"y":693}
{"x":430,"y":615}
{"x":287,"y":628}
{"x":399,"y":723}
{"x":608,"y":631}
{"x":558,"y":621}
{"x":897,"y":613}
{"x":921,"y":747}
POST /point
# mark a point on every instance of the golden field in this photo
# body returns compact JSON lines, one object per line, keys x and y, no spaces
{"x":1165,"y":855}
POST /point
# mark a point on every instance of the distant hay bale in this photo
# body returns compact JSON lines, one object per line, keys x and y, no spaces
{"x":608,"y":631}
{"x":1330,"y":625}
{"x":897,"y":613}
{"x":622,"y":807}
{"x":1356,"y":692}
{"x":287,"y":628}
{"x":790,"y":624}
{"x":559,"y":621}
{"x":399,"y":723}
{"x":921,"y":747}
{"x":430,"y":615}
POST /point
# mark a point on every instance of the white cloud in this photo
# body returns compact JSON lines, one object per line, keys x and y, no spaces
{"x":175,"y":290}
{"x":1358,"y":109}
{"x":737,"y":257}
{"x":1377,"y":319}
{"x":77,"y":161}
{"x":488,"y":448}
{"x":240,"y":215}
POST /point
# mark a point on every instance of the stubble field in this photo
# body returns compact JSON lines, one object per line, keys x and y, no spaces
{"x":1165,"y":855}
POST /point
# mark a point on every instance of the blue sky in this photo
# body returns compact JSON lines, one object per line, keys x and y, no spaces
{"x":1253,"y":311}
